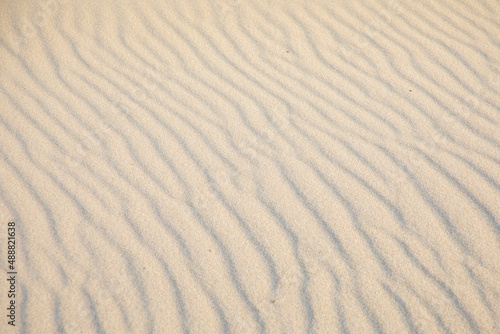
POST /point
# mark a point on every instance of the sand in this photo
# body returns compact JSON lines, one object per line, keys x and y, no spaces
{"x":238,"y":166}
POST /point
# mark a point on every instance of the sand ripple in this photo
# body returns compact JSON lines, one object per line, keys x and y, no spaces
{"x":252,"y":166}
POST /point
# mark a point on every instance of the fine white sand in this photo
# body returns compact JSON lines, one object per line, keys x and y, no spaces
{"x":237,"y":166}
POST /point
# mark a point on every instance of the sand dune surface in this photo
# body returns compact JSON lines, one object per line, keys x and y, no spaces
{"x":237,"y":166}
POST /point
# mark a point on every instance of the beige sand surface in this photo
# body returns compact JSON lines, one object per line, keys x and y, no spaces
{"x":237,"y":166}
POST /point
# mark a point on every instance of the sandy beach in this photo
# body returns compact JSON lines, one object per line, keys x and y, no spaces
{"x":236,"y":166}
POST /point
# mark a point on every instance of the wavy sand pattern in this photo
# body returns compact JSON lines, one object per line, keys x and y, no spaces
{"x":252,"y":166}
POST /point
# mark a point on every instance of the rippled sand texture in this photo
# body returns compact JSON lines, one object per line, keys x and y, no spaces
{"x":241,"y":166}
